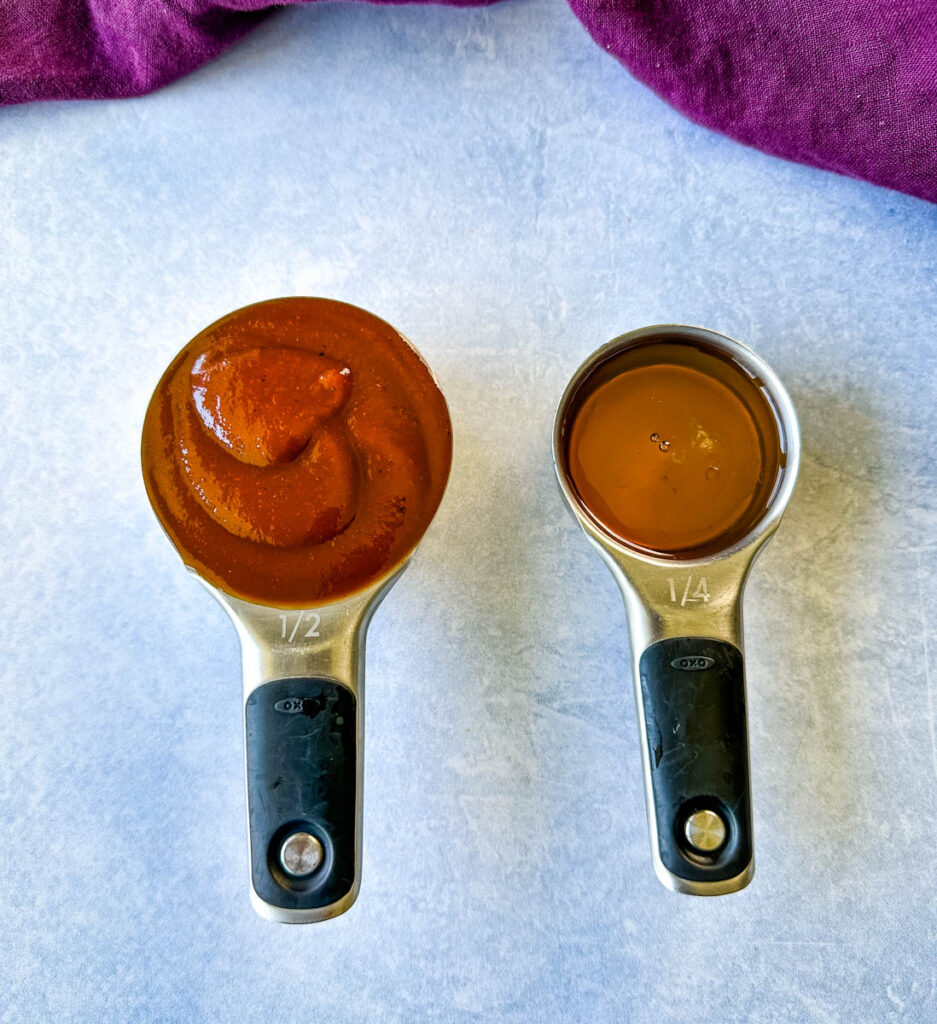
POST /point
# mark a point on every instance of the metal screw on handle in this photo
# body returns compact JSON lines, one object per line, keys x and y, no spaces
{"x":300,"y":854}
{"x":705,"y":831}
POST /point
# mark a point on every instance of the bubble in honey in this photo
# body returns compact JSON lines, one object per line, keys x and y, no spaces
{"x":655,"y":437}
{"x":712,"y":473}
{"x":664,"y":446}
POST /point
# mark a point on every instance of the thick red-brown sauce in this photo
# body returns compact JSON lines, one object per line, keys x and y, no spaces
{"x":296,"y":450}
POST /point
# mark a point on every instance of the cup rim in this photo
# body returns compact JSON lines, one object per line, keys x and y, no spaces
{"x":782,"y":406}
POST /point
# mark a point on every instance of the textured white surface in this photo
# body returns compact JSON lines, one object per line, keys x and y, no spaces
{"x":498,"y":188}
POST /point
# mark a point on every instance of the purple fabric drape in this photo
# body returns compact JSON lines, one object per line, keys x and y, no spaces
{"x":847,"y":85}
{"x":98,"y":49}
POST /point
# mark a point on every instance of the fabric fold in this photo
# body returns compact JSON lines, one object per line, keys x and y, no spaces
{"x":845,"y":85}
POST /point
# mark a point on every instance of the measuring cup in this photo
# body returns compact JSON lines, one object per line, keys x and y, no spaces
{"x":303,"y":657}
{"x":303,"y":672}
{"x":684,"y":613}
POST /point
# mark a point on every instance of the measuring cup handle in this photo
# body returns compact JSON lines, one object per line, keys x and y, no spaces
{"x":693,"y":693}
{"x":303,"y":782}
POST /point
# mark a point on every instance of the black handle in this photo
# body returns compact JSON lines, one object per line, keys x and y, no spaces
{"x":302,"y":784}
{"x":694,"y":715}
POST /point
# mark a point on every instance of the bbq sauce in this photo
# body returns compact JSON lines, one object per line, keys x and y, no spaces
{"x":673,"y":448}
{"x":296,"y":450}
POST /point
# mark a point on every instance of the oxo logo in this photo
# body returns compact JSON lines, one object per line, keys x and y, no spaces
{"x":693,"y":663}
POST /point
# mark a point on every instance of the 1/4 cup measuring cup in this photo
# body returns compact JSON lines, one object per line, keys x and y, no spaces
{"x":295,"y":452}
{"x":677,"y":450}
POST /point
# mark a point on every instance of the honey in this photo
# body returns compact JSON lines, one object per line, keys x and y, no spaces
{"x":673,"y":448}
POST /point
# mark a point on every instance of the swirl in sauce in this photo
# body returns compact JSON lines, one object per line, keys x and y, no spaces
{"x":296,"y":450}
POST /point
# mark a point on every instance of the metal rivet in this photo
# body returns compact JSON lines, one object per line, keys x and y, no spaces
{"x":300,"y":854}
{"x":705,"y":831}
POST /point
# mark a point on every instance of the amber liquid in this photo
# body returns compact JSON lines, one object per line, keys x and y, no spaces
{"x":674,"y":448}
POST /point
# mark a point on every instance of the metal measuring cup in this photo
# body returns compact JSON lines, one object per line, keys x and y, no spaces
{"x":303,"y":672}
{"x":685,"y":625}
{"x":303,"y":687}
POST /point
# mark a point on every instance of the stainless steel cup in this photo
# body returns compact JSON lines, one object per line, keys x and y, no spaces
{"x":685,"y":625}
{"x":303,"y":687}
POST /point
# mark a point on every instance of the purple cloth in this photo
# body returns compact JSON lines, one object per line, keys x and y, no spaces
{"x":847,"y":85}
{"x":96,"y":49}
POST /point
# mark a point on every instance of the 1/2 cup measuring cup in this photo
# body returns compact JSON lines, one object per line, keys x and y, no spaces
{"x":677,"y":450}
{"x":295,"y":452}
